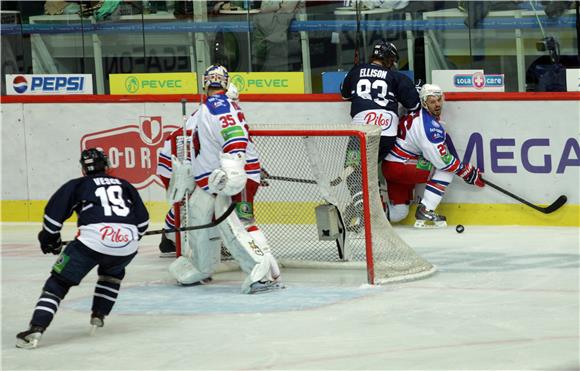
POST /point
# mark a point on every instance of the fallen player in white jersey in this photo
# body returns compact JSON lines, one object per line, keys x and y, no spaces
{"x":420,"y":155}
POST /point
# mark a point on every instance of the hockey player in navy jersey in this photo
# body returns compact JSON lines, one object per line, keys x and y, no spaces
{"x":375,"y":90}
{"x":111,"y":220}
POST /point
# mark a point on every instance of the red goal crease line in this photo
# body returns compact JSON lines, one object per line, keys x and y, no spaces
{"x":488,"y":96}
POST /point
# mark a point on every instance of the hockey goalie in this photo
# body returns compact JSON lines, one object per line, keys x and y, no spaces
{"x":225,"y":169}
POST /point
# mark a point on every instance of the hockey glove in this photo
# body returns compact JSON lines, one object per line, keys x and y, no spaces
{"x":217,"y":181}
{"x":231,"y":177}
{"x":50,"y":243}
{"x":182,"y":181}
{"x":470,"y":174}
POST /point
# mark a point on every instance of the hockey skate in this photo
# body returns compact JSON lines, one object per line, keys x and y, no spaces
{"x":29,"y":339}
{"x":261,"y":287}
{"x":167,"y":247}
{"x":428,"y":218}
{"x":204,"y":281}
{"x":97,"y":320}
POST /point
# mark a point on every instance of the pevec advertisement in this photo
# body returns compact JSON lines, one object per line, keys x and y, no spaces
{"x":49,"y":84}
{"x":153,"y":83}
{"x":468,"y":81}
{"x":268,"y":82}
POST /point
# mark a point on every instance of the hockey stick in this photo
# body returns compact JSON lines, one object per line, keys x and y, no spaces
{"x":357,"y":34}
{"x":336,"y":181}
{"x":546,"y":210}
{"x":214,"y":223}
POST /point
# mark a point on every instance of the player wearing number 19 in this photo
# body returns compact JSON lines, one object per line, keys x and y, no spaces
{"x":111,"y":220}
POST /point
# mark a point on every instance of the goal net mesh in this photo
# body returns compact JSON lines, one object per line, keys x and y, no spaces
{"x":306,"y":166}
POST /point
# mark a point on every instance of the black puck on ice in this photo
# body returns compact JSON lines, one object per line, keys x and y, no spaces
{"x":459,"y":228}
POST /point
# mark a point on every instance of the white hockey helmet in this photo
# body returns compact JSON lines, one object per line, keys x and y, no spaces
{"x":428,"y":90}
{"x":216,"y":76}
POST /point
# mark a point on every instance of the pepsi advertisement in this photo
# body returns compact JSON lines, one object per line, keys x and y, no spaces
{"x":49,"y":84}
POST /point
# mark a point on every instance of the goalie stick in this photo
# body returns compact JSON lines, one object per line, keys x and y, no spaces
{"x":336,"y":181}
{"x":546,"y":210}
{"x":214,"y":223}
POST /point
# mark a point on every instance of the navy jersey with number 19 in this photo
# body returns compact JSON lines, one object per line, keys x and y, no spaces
{"x":111,"y":214}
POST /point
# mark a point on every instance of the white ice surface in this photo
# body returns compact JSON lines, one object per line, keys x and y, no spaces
{"x":505,"y":298}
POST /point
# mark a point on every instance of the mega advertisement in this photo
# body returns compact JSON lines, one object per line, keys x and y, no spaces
{"x":49,"y":84}
{"x":153,"y":83}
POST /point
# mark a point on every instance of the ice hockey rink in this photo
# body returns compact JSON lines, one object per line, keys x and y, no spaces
{"x":504,"y":298}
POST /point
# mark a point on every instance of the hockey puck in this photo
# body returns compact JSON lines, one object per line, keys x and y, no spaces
{"x":459,"y":228}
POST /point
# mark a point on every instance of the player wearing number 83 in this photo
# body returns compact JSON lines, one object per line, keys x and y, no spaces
{"x":375,"y":90}
{"x":111,"y":220}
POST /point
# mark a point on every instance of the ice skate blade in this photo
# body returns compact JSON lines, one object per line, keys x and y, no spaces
{"x":171,"y":254}
{"x":29,"y":343}
{"x":204,"y":281}
{"x":262,"y":288}
{"x":426,"y":224}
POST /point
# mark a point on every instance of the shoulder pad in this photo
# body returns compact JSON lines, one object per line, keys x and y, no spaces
{"x":433,"y":130}
{"x":218,"y":104}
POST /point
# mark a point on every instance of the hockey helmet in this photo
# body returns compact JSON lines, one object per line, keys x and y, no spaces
{"x":216,"y":76}
{"x":94,"y":161}
{"x":384,"y":50}
{"x":428,"y":90}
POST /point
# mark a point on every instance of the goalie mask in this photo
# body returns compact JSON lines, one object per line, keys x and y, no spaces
{"x":216,"y":76}
{"x":94,"y":161}
{"x":428,"y":90}
{"x":385,"y":52}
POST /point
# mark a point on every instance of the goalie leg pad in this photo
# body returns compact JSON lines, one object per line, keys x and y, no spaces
{"x":201,"y":254}
{"x":253,"y":255}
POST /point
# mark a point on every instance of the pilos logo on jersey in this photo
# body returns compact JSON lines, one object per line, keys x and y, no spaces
{"x":133,"y":149}
{"x":153,"y":83}
{"x":268,"y":82}
{"x":49,"y":84}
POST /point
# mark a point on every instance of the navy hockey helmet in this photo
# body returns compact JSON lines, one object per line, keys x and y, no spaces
{"x":94,"y":161}
{"x":384,"y":50}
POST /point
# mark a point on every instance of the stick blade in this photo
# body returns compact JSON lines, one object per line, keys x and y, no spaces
{"x":556,"y":204}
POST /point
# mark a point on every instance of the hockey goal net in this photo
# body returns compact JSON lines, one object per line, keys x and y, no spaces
{"x":307,"y":167}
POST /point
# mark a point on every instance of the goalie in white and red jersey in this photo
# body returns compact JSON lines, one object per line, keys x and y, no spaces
{"x":164,"y":170}
{"x":225,"y":169}
{"x":420,"y":155}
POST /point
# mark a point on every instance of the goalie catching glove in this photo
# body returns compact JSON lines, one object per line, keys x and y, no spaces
{"x":50,"y":243}
{"x":231,"y":178}
{"x":181,"y":182}
{"x":470,"y":174}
